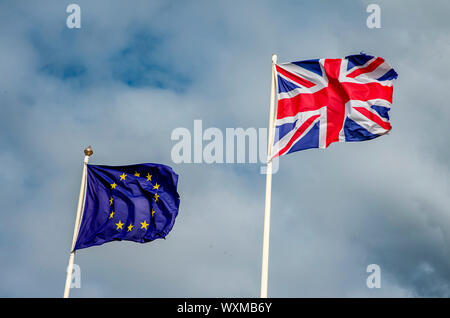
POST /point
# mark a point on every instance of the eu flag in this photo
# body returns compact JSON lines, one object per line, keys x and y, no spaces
{"x":135,"y":203}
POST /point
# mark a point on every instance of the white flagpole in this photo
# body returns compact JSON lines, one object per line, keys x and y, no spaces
{"x":87,"y":152}
{"x":265,"y":253}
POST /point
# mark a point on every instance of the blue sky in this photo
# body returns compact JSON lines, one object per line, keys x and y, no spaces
{"x":133,"y":73}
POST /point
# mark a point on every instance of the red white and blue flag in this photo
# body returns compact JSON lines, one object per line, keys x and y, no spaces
{"x":332,"y":100}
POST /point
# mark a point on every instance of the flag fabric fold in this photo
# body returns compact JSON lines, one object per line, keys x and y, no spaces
{"x":135,"y":203}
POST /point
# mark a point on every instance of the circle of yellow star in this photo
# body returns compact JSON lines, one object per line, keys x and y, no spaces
{"x":149,"y":177}
{"x":111,"y":215}
{"x":111,"y":201}
{"x":130,"y":227}
{"x":113,"y":185}
{"x":156,"y":186}
{"x":153,"y":212}
{"x":119,"y":225}
{"x":123,"y":176}
{"x":137,"y":174}
{"x":156,"y":197}
{"x":144,"y":224}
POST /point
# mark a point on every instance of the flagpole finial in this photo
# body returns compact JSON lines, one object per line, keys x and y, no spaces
{"x":88,"y":151}
{"x":274,"y":58}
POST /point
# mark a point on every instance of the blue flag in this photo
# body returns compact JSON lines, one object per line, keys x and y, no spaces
{"x":135,"y":203}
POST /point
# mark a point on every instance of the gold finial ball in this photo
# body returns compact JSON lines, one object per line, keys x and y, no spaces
{"x":88,"y":151}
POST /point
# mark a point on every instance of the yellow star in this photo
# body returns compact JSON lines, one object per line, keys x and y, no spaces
{"x":153,"y":212}
{"x":149,"y":177}
{"x":113,"y":185}
{"x":156,"y":186}
{"x":130,"y":227}
{"x":122,"y":176}
{"x":119,"y":225}
{"x":144,"y":225}
{"x":111,"y":215}
{"x":137,"y":174}
{"x":156,"y":197}
{"x":111,"y":201}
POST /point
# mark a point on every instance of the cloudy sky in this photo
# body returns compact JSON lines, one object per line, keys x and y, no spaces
{"x":135,"y":72}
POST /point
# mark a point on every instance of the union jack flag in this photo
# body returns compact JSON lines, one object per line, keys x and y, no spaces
{"x":331,"y":100}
